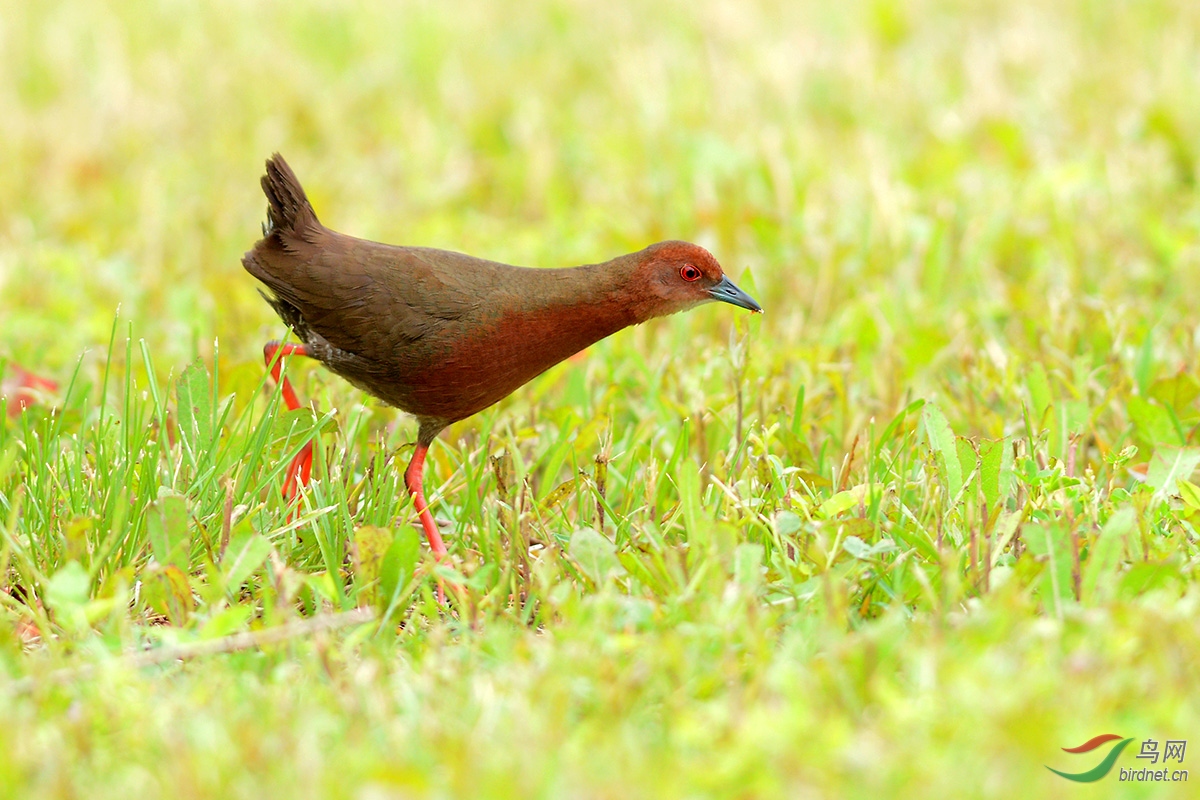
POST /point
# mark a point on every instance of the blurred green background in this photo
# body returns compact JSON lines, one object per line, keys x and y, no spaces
{"x":882,"y":168}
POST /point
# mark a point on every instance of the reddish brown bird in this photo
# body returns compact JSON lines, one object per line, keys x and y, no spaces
{"x":444,"y":335}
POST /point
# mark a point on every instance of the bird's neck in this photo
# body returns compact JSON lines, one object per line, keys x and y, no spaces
{"x":541,"y":318}
{"x":577,"y":307}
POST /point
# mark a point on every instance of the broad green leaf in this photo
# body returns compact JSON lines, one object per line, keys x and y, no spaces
{"x":945,"y":447}
{"x":995,"y":471}
{"x":193,"y":393}
{"x":1051,"y":543}
{"x":1065,"y":420}
{"x":1005,"y":530}
{"x":1152,"y":421}
{"x":483,"y":579}
{"x":861,"y":550}
{"x":296,"y":422}
{"x":748,"y":569}
{"x":845,"y":500}
{"x":399,"y":562}
{"x":787,"y":523}
{"x":698,"y":533}
{"x":77,"y":533}
{"x":968,"y":461}
{"x":68,"y":588}
{"x":1100,"y":571}
{"x":839,"y":503}
{"x":168,"y":529}
{"x":856,"y":547}
{"x":1144,"y":368}
{"x":595,"y":555}
{"x":226,"y":621}
{"x":1168,"y":465}
{"x":1040,"y":396}
{"x":248,"y":550}
{"x":1146,"y":576}
{"x":1189,"y":493}
{"x":371,"y":543}
{"x":166,"y":590}
{"x":1178,"y":392}
{"x":323,"y":587}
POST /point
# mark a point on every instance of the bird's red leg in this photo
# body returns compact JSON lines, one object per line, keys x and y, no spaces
{"x":300,"y":470}
{"x":414,"y":480}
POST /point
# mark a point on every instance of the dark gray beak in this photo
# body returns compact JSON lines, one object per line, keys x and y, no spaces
{"x":727,"y":292}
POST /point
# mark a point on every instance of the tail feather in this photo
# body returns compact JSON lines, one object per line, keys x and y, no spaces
{"x":289,"y":236}
{"x":289,"y":211}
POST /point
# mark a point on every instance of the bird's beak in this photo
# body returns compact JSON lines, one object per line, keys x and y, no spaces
{"x":727,"y":292}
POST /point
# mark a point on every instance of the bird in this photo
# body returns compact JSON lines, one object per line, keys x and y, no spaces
{"x":443,"y":335}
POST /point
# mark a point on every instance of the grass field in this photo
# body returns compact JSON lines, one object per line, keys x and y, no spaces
{"x":926,"y":522}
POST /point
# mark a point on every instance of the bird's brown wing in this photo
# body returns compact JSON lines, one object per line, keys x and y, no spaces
{"x":380,"y":302}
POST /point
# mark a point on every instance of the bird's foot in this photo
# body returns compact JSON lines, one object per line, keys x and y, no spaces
{"x":299,"y":472}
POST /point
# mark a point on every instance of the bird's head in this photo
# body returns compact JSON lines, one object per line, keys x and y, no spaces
{"x":675,"y":276}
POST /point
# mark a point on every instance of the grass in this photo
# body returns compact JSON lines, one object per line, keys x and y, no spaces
{"x":927,"y":521}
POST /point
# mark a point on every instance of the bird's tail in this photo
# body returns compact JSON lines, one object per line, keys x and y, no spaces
{"x":289,"y":212}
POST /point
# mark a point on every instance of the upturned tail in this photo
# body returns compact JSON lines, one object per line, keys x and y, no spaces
{"x":291,"y":235}
{"x":289,"y":213}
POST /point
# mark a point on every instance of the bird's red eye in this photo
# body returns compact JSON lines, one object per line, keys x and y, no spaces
{"x":689,"y":272}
